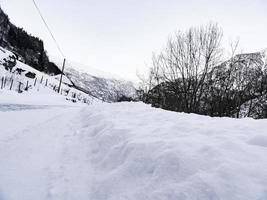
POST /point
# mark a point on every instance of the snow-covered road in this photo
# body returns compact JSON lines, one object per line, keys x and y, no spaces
{"x":43,"y":154}
{"x":129,"y":151}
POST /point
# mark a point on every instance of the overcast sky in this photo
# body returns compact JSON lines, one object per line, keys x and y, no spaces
{"x":119,"y":36}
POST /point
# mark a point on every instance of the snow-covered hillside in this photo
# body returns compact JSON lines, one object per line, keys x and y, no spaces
{"x":107,"y":89}
{"x":105,"y":86}
{"x":129,"y":151}
{"x":17,"y":77}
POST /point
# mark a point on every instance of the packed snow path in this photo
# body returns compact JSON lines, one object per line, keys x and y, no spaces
{"x":129,"y":151}
{"x":43,"y":155}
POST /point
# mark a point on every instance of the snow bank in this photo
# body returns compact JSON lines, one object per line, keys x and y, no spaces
{"x":129,"y":151}
{"x":140,"y":152}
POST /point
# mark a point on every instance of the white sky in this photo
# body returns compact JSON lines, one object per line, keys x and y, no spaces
{"x":119,"y":36}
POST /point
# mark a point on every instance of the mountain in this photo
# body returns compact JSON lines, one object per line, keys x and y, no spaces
{"x":256,"y":107}
{"x":106,"y":88}
{"x":247,"y":81}
{"x":27,"y":48}
{"x":30,"y":50}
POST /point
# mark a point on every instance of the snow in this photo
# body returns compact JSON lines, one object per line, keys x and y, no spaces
{"x":42,"y":88}
{"x":129,"y":151}
{"x":259,"y":140}
{"x":43,"y":97}
{"x":32,"y":154}
{"x":108,"y":90}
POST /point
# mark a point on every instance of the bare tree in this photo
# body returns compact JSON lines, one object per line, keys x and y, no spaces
{"x":186,"y":61}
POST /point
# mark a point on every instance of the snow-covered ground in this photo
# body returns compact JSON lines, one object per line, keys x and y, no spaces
{"x":38,"y":97}
{"x":129,"y":151}
{"x":15,"y":80}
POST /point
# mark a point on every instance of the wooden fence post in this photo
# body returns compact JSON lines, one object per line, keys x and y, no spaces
{"x":35,"y":82}
{"x":5,"y":82}
{"x":61,"y":75}
{"x":27,"y":86}
{"x":2,"y":82}
{"x":19,"y":90}
{"x":11,"y":84}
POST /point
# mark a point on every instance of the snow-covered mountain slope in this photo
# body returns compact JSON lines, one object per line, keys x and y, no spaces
{"x":18,"y":77}
{"x":264,"y":53}
{"x":257,"y":106}
{"x":103,"y":87}
{"x":129,"y":151}
{"x":242,"y":63}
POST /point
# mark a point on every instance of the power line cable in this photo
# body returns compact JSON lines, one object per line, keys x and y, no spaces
{"x":49,"y":30}
{"x":57,"y":44}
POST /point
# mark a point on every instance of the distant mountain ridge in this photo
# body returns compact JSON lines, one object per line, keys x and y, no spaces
{"x":107,"y":89}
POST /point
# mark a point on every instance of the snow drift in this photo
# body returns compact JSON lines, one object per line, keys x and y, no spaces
{"x":129,"y":151}
{"x":145,"y":153}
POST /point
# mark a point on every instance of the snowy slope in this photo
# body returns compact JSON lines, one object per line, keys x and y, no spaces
{"x":264,"y":53}
{"x":15,"y":75}
{"x":105,"y":86}
{"x":257,"y":107}
{"x":130,"y":151}
{"x":107,"y":89}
